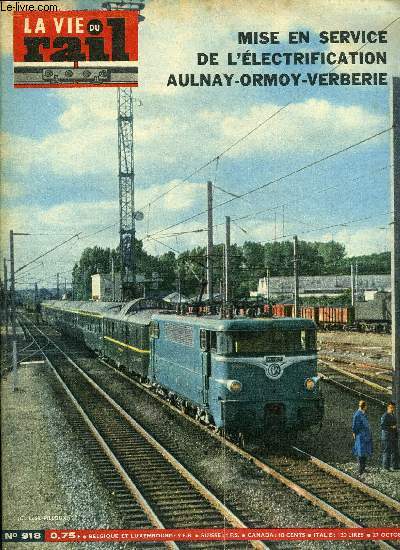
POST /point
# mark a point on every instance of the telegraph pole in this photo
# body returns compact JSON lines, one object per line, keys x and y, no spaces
{"x":13,"y":313}
{"x":58,"y":286}
{"x":353,"y":286}
{"x":36,"y":295}
{"x":210,"y":243}
{"x":113,"y":279}
{"x":296,"y":277}
{"x":395,"y":154}
{"x":227,"y":258}
{"x":356,"y":283}
{"x":5,"y":297}
{"x":268,"y":282}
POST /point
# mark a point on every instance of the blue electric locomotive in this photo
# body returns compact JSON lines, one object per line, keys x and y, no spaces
{"x":242,"y":375}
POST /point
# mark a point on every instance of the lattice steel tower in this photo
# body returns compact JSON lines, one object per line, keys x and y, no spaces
{"x":126,"y":192}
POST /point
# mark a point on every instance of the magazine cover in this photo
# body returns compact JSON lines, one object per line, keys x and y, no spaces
{"x":200,"y":274}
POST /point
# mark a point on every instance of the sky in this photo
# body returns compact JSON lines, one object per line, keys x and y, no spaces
{"x":59,"y":147}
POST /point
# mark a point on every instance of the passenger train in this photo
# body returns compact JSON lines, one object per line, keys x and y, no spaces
{"x":247,"y":377}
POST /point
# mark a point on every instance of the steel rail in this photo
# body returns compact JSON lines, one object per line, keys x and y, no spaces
{"x":374,"y":493}
{"x":334,"y":359}
{"x":349,"y":389}
{"x":133,"y":489}
{"x":263,"y":466}
{"x":194,"y":482}
{"x":273,"y":472}
{"x":344,"y":372}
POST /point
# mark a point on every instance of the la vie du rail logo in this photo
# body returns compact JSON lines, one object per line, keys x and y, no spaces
{"x":75,"y":48}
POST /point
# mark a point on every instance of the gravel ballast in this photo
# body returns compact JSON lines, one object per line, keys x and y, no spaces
{"x":47,"y":480}
{"x":41,"y":457}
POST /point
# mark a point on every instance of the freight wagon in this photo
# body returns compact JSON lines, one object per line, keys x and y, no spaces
{"x":374,"y":315}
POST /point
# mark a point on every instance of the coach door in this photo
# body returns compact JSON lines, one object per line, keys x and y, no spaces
{"x":205,"y":346}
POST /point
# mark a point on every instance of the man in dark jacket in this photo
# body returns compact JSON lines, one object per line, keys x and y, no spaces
{"x":362,"y":436}
{"x":389,"y":438}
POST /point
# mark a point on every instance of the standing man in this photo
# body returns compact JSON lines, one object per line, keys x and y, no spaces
{"x":389,"y":438}
{"x":362,"y":436}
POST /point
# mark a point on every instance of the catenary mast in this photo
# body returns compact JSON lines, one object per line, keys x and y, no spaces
{"x":126,"y":175}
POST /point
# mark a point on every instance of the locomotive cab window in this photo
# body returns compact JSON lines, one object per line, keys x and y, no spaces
{"x":285,"y":342}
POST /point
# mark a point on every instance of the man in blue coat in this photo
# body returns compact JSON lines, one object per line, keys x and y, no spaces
{"x":362,"y":436}
{"x":389,"y":438}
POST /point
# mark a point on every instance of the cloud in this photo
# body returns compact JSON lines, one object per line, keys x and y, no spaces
{"x":177,"y":130}
{"x":301,"y":127}
{"x":366,"y":240}
{"x":87,"y":218}
{"x":50,"y":226}
{"x":85,"y":142}
{"x":183,"y":195}
{"x":9,"y":190}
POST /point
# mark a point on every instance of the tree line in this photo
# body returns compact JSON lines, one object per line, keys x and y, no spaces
{"x":248,"y":263}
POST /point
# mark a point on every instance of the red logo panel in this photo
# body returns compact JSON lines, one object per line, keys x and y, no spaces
{"x":76,"y":48}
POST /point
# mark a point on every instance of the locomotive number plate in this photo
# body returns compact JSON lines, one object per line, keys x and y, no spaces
{"x":273,"y":359}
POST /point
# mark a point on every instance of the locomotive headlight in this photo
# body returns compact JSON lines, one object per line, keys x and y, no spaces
{"x":234,"y":386}
{"x":309,"y":384}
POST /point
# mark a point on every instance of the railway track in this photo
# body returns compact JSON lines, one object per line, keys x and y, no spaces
{"x":349,"y":501}
{"x":151,"y":487}
{"x":356,"y":384}
{"x":371,"y":371}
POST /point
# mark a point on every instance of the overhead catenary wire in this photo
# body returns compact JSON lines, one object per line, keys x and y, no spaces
{"x":217,"y":157}
{"x":245,"y":136}
{"x":240,"y":218}
{"x":47,"y":252}
{"x":279,"y":179}
{"x":227,"y":149}
{"x":325,"y":227}
{"x":287,"y":236}
{"x":366,"y":43}
{"x":275,"y":207}
{"x":178,"y":252}
{"x":314,"y":230}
